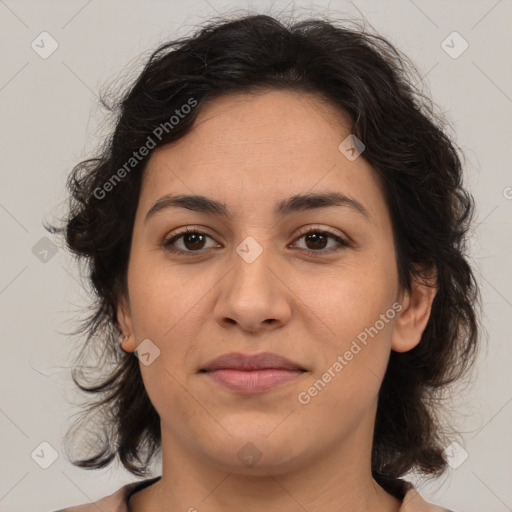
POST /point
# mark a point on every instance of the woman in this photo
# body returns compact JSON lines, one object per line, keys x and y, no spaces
{"x":276,"y":230}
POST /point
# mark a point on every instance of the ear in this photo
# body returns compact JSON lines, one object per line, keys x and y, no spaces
{"x":124,"y":320}
{"x":416,"y":307}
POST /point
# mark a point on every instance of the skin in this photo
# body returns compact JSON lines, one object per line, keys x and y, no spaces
{"x":249,"y":152}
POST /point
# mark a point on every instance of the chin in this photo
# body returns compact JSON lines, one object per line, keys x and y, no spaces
{"x":256,"y":455}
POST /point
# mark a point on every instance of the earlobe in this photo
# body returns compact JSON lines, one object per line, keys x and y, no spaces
{"x":127,"y":337}
{"x":416,"y":308}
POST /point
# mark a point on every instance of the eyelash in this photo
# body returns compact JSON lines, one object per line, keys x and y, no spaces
{"x":342,"y":243}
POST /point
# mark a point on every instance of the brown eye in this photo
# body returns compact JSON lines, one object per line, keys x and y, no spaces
{"x":190,"y":240}
{"x":316,"y":241}
{"x":193,"y":241}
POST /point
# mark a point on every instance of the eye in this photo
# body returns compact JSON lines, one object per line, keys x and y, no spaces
{"x":193,"y":241}
{"x":317,"y":239}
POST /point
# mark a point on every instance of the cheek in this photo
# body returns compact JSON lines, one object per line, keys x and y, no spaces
{"x":354,"y":354}
{"x":358,"y":312}
{"x":354,"y":297}
{"x":163,"y":296}
{"x":167,"y":305}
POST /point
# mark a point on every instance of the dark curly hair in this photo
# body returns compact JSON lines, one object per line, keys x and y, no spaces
{"x":405,"y":140}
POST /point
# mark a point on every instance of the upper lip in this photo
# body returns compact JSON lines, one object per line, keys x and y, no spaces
{"x":239,"y":361}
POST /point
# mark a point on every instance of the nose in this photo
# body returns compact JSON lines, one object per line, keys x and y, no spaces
{"x":253,"y":296}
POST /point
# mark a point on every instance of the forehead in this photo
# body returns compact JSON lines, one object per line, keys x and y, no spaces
{"x":285,"y":119}
{"x":257,"y":149}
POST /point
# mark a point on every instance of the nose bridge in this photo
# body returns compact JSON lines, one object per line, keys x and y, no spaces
{"x":252,"y":261}
{"x":252,"y":294}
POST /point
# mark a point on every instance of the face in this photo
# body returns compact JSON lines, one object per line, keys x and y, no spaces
{"x":314,"y":282}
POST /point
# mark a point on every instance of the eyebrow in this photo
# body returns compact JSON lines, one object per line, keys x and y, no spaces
{"x":293,"y":204}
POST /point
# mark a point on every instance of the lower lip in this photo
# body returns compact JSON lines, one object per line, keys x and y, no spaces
{"x":253,"y":381}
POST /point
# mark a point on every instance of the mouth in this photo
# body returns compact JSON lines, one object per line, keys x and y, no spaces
{"x":253,"y":381}
{"x":248,"y":374}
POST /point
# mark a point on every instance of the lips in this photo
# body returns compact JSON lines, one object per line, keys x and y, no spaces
{"x":248,"y":374}
{"x":248,"y":362}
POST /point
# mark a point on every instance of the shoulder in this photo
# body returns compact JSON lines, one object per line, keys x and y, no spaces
{"x":414,"y":502}
{"x":116,"y":502}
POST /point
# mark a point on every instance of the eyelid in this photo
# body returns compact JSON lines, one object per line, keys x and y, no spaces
{"x":320,"y":229}
{"x":340,"y":239}
{"x":187,"y":230}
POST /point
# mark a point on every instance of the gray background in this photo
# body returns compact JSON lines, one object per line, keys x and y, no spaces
{"x":50,"y":121}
